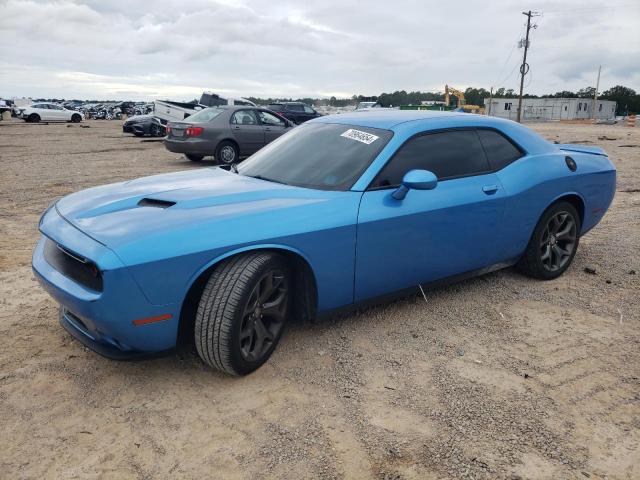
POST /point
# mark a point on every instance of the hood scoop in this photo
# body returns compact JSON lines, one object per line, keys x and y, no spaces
{"x":153,"y":202}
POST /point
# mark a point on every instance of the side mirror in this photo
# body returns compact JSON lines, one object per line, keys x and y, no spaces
{"x":416,"y":180}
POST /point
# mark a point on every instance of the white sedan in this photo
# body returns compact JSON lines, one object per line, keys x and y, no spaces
{"x":49,"y":112}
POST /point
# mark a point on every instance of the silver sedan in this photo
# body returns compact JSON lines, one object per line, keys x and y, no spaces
{"x":226,"y":132}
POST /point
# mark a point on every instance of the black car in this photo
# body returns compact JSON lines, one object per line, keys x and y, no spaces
{"x":141,"y":125}
{"x":297,"y":112}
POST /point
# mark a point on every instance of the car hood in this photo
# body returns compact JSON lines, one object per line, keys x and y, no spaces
{"x":165,"y":207}
{"x":139,"y":118}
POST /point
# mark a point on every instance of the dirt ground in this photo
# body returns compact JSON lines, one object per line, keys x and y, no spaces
{"x":496,"y":377}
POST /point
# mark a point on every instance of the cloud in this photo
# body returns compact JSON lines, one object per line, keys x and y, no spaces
{"x":101,"y":48}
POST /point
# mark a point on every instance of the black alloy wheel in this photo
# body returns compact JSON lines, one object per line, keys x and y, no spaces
{"x":264,"y":315}
{"x":242,"y":311}
{"x":558,"y":241}
{"x":156,"y":130}
{"x":553,"y":243}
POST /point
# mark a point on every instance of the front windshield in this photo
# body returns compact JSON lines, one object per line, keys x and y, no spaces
{"x":324,"y":156}
{"x":205,"y":115}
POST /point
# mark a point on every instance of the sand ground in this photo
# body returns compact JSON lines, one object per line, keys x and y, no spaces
{"x":496,"y":377}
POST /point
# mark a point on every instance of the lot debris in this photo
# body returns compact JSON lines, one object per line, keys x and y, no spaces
{"x":589,"y":270}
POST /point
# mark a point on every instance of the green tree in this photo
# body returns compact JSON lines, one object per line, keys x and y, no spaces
{"x":627,"y":99}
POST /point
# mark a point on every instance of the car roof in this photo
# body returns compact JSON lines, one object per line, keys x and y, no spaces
{"x":410,"y":122}
{"x":287,"y":103}
{"x":386,"y":118}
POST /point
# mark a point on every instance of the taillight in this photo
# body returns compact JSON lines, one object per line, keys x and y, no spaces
{"x":168,"y":129}
{"x":193,"y":131}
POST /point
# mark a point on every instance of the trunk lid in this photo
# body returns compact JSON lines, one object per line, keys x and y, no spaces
{"x":570,"y":147}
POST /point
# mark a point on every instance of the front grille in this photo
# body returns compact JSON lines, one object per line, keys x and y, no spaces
{"x":73,"y":266}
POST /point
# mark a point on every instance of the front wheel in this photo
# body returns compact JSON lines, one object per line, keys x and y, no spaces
{"x":34,"y":118}
{"x":226,"y":153}
{"x":76,"y":118}
{"x":242,"y":312}
{"x":194,"y":158}
{"x":553,"y":244}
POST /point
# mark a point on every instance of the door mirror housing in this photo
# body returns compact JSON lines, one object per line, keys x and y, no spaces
{"x":415,"y":180}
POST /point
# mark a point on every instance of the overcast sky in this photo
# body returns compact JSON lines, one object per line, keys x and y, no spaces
{"x":130,"y":49}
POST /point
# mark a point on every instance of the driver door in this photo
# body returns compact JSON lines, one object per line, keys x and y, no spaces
{"x":273,"y":125}
{"x":430,"y":234}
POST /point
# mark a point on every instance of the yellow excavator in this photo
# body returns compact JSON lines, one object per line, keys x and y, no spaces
{"x":448,"y":91}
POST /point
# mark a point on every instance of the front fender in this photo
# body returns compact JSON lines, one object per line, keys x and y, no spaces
{"x":245,"y":249}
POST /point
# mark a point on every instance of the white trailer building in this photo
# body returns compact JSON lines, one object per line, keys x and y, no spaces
{"x":541,"y":109}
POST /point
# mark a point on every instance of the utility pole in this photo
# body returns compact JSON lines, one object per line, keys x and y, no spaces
{"x":490,"y":102}
{"x":595,"y":95}
{"x":524,"y":68}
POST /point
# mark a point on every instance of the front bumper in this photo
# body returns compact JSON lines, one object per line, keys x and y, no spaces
{"x":102,"y":321}
{"x":74,"y":326}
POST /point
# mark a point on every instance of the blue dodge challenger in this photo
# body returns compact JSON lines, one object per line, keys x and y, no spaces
{"x":343,"y":210}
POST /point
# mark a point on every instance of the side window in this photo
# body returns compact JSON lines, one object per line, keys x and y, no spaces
{"x":270,"y":119}
{"x":447,"y":154}
{"x":308,"y":110}
{"x":244,"y":117}
{"x":295,"y":107}
{"x":500,"y":151}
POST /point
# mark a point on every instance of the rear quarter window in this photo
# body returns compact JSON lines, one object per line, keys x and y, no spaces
{"x":500,"y":150}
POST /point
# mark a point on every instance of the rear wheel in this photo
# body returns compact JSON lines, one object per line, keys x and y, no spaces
{"x":76,"y":118}
{"x":156,"y":130}
{"x":242,"y":312}
{"x":194,"y":158}
{"x":226,"y":152}
{"x":553,"y":244}
{"x":34,"y":118}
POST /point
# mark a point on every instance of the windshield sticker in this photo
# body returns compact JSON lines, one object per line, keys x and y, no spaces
{"x":360,"y":136}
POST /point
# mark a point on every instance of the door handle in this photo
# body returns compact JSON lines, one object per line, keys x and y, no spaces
{"x":236,"y":128}
{"x":490,"y":189}
{"x":267,"y":129}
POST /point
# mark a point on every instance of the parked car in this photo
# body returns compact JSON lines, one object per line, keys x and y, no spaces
{"x":226,"y":132}
{"x":141,"y":125}
{"x":49,"y":112}
{"x":344,"y":210}
{"x":297,"y":112}
{"x":366,"y":105}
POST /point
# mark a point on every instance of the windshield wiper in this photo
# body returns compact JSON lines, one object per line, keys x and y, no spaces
{"x":260,"y":177}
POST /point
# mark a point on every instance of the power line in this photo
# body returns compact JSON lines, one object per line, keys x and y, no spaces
{"x":507,"y":60}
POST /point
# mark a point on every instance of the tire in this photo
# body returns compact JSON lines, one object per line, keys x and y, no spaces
{"x":553,"y":244}
{"x":242,"y":312}
{"x":194,"y":158}
{"x":76,"y":118}
{"x":156,"y":130}
{"x":227,"y":153}
{"x":34,"y":118}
